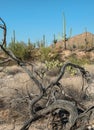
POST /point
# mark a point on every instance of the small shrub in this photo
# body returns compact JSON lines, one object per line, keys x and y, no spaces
{"x":44,"y":53}
{"x":19,"y":49}
{"x":81,"y":61}
{"x":72,"y":71}
{"x":30,"y":52}
{"x":22,"y":50}
{"x":53,"y":64}
{"x":74,"y":46}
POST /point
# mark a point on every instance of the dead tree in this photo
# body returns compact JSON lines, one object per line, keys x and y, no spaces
{"x":69,"y":106}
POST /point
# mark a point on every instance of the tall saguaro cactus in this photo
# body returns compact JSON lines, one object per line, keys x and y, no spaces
{"x":86,"y":41}
{"x":13,"y":39}
{"x":44,"y":40}
{"x":55,"y":40}
{"x":65,"y":39}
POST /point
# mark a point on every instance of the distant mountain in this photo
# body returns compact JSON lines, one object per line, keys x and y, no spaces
{"x":78,"y":41}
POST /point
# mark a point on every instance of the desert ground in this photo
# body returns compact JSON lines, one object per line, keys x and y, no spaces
{"x":13,"y":92}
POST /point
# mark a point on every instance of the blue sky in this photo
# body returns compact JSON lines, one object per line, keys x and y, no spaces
{"x":34,"y":18}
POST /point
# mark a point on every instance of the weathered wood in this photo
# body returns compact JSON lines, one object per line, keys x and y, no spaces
{"x":59,"y":104}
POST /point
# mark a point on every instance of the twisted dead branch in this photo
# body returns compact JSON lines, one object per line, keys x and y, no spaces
{"x":62,"y":104}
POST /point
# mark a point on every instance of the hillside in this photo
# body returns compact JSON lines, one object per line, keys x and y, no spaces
{"x":78,"y":41}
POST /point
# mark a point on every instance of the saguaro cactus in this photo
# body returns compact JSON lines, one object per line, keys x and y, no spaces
{"x":44,"y":40}
{"x":86,"y":41}
{"x":13,"y":39}
{"x":65,"y":38}
{"x":55,"y":40}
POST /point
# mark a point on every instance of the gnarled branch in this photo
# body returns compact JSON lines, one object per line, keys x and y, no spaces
{"x":59,"y":104}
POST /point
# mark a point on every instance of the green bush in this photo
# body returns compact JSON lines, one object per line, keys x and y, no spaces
{"x":44,"y":53}
{"x":30,"y":52}
{"x":22,"y":50}
{"x":18,"y":48}
{"x":82,"y":61}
